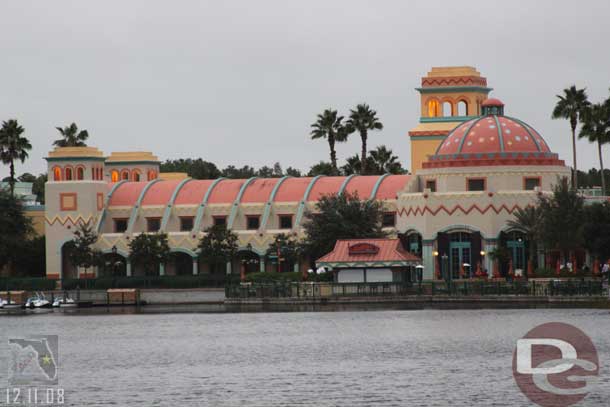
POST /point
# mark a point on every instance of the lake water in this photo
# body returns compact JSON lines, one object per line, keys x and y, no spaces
{"x":364,"y":358}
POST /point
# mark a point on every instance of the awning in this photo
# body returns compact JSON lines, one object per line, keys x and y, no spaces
{"x":368,"y":253}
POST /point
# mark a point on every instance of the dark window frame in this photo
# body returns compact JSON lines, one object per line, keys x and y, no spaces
{"x":284,"y":216}
{"x":433,"y":182}
{"x":385,"y":224}
{"x":116,"y":222}
{"x":148,"y":223}
{"x":468,"y":180}
{"x":216,"y":220}
{"x":191,"y":219}
{"x":526,"y":179}
{"x":251,"y":218}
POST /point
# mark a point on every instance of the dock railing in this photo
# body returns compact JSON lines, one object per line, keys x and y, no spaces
{"x":427,"y":288}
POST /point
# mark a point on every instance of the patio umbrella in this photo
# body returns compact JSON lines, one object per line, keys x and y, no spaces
{"x":496,"y":269}
{"x":461,"y":271}
{"x":530,"y":269}
{"x":438,"y":269}
{"x":478,"y":273}
{"x":574,"y":265}
{"x":242,"y":273}
{"x":510,"y":268}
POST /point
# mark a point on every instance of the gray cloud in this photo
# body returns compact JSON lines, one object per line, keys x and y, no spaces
{"x":240,"y":82}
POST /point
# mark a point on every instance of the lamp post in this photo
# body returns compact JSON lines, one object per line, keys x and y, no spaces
{"x":436,"y":266}
{"x":445,"y":269}
{"x":114,"y":260}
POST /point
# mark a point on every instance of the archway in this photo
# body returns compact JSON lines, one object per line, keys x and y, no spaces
{"x":412,"y":242}
{"x":180,"y":264}
{"x":249,"y":261}
{"x":68,"y":269}
{"x":447,"y":109}
{"x":460,"y":252}
{"x":462,"y":108}
{"x":113,"y":265}
{"x":433,"y":108}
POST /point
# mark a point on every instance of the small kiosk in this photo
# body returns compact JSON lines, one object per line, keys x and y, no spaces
{"x":370,"y":261}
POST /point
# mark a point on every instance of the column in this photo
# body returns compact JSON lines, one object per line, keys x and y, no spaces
{"x":228,"y":268}
{"x":427,"y":255}
{"x":195,"y":266}
{"x":161,"y":269}
{"x":128,"y":268}
{"x":488,"y":246}
{"x":261,"y":263}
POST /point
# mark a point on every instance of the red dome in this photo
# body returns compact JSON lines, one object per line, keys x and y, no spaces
{"x":492,"y":102}
{"x":493,"y":140}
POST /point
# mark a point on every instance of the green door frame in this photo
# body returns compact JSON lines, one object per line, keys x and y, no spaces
{"x":460,"y":246}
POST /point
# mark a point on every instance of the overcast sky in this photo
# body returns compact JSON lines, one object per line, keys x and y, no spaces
{"x":240,"y":82}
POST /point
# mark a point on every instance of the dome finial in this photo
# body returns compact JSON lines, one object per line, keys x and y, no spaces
{"x":492,"y":106}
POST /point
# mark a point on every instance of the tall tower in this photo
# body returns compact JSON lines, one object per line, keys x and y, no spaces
{"x":449,"y":96}
{"x":74,"y":193}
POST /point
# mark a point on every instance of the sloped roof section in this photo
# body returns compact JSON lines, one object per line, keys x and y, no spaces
{"x":367,"y":253}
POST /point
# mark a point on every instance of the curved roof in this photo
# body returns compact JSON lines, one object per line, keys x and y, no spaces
{"x":492,"y":102}
{"x":257,"y":191}
{"x":159,"y":193}
{"x":493,"y":139}
{"x":127,"y":194}
{"x":226,"y":191}
{"x":193,"y":191}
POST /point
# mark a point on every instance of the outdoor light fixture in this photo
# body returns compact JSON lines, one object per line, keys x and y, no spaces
{"x":482,"y":252}
{"x":435,"y":253}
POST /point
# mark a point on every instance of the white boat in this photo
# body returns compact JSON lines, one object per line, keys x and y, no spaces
{"x":37,"y":302}
{"x":64,"y":302}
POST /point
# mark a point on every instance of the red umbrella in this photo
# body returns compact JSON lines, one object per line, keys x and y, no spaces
{"x":497,"y":269}
{"x":574,"y":265}
{"x":510,"y":268}
{"x":242,"y":272}
{"x":438,"y":269}
{"x":479,"y":272}
{"x":530,"y":268}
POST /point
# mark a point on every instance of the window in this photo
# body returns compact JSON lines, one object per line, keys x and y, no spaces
{"x":80,"y":173}
{"x":285,"y":221}
{"x":114,"y":176}
{"x":152,"y":175}
{"x":68,"y":173}
{"x":447,"y":109}
{"x":476,"y":184}
{"x":153,"y":224}
{"x":462,"y":108}
{"x":120,"y":225}
{"x":135,"y":175}
{"x":56,"y":174}
{"x":530,"y":183}
{"x":186,"y":223}
{"x":252,"y":222}
{"x":125,"y":175}
{"x":388,"y":220}
{"x":431,"y":185}
{"x":433,"y":108}
{"x":220,"y":220}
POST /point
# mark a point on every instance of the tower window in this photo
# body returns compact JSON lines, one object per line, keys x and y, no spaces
{"x":433,"y":108}
{"x":462,"y":108}
{"x":252,"y":222}
{"x":431,"y":185}
{"x":135,"y":175}
{"x":475,"y":184}
{"x":152,"y":175}
{"x":447,"y":109}
{"x":56,"y":174}
{"x":68,"y":173}
{"x":80,"y":173}
{"x":125,"y":175}
{"x":114,"y":176}
{"x":530,"y":183}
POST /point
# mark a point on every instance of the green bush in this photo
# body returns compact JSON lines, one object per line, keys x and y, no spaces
{"x":27,"y":284}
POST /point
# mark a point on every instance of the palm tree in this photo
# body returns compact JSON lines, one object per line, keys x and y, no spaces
{"x":596,"y":128}
{"x":385,"y":161}
{"x":329,"y":126}
{"x":363,"y":119}
{"x":13,"y":147}
{"x":527,"y":220}
{"x":571,"y":106}
{"x":71,"y":137}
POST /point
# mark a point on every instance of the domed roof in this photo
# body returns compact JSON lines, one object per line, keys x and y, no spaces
{"x":493,"y":139}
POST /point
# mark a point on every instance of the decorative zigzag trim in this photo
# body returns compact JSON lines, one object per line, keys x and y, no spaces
{"x":434,"y":212}
{"x":68,"y":218}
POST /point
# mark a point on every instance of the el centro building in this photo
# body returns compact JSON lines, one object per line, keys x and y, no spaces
{"x":472,"y":167}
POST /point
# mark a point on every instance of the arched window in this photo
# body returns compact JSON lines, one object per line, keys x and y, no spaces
{"x":135,"y":175}
{"x":433,"y":108}
{"x":462,"y":108}
{"x":56,"y":174}
{"x":68,"y":173}
{"x":80,"y":173}
{"x":114,"y":176}
{"x":125,"y":175}
{"x":152,"y":175}
{"x":447,"y":109}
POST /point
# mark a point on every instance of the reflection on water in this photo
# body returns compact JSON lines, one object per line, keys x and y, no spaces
{"x":207,"y":357}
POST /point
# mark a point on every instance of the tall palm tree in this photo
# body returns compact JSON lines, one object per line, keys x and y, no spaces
{"x":13,"y":147}
{"x":329,"y":126}
{"x":385,"y":161}
{"x":71,"y":137}
{"x":363,"y":119}
{"x":527,"y":220}
{"x":571,"y":106}
{"x":596,"y":128}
